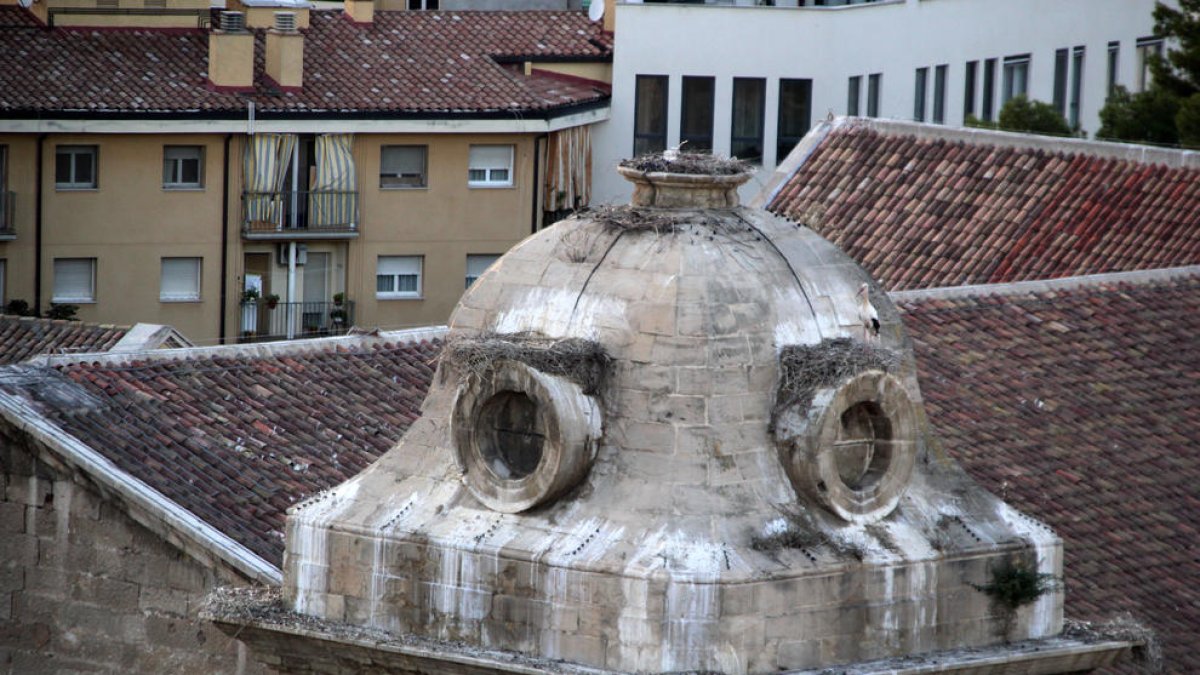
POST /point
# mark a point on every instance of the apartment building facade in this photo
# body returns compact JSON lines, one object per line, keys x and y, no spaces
{"x":749,"y":78}
{"x":284,"y":172}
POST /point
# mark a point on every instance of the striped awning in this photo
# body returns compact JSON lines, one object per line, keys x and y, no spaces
{"x":568,"y":169}
{"x":334,"y":197}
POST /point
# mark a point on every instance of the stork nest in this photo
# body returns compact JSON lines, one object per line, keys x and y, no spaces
{"x":584,"y":362}
{"x":659,"y":221}
{"x":1147,"y":649}
{"x":696,"y":163}
{"x":803,"y":369}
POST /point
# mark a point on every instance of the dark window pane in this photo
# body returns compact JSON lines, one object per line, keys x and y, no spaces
{"x":919,"y":94}
{"x":969,"y":89}
{"x":696,"y":119}
{"x":62,"y":168}
{"x":83,"y":168}
{"x":853,"y":91}
{"x":190,"y":171}
{"x":650,"y":115}
{"x":874,"y":82}
{"x":939,"y":94}
{"x":1060,"y":81}
{"x":795,"y":109}
{"x":749,"y":103}
{"x":989,"y":89}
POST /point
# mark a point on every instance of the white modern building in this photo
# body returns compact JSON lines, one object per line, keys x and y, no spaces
{"x":749,"y":79}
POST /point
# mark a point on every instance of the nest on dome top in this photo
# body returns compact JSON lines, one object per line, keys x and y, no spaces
{"x":693,"y":163}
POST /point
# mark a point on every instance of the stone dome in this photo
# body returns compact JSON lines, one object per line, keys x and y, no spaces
{"x":668,"y":437}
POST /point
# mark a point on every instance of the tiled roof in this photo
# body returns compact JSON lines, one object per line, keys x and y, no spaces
{"x":236,"y":439}
{"x":404,"y":62}
{"x":922,"y":206}
{"x":1082,"y":408}
{"x":24,"y":337}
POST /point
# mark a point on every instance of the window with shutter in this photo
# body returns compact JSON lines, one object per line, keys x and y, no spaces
{"x":398,"y":276}
{"x":74,"y":280}
{"x":490,"y":166}
{"x":402,"y":166}
{"x":180,"y":280}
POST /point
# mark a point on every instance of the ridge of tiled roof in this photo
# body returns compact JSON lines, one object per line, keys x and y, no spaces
{"x":23,"y":337}
{"x":1081,"y":407}
{"x":234,"y":435}
{"x":402,"y":63}
{"x":922,"y":205}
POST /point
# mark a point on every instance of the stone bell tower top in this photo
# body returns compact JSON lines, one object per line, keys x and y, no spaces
{"x":674,"y":436}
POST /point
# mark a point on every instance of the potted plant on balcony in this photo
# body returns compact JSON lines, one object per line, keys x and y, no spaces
{"x":338,"y":299}
{"x":272,"y":301}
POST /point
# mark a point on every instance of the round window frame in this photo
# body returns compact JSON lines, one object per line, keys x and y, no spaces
{"x":811,"y":459}
{"x":571,"y":425}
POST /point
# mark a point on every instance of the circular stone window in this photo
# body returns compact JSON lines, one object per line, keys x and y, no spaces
{"x":854,"y":455}
{"x":523,"y":437}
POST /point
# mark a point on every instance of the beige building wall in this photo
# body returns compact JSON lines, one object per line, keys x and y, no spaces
{"x":22,"y":183}
{"x":129,"y":223}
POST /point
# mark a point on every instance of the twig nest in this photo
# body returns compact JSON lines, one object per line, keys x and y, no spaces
{"x":689,"y":181}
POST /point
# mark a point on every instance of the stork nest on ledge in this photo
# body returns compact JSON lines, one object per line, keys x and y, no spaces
{"x":584,"y":362}
{"x":696,"y":163}
{"x":803,"y":369}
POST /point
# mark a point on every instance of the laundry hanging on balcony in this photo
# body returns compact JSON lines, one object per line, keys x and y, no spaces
{"x":568,"y":169}
{"x":265,"y":167}
{"x":333,"y":199}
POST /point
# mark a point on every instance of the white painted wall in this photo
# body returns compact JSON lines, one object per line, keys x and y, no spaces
{"x":829,"y":45}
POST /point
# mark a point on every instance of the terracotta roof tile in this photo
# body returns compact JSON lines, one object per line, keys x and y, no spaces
{"x":23,"y":337}
{"x":1001,"y":213}
{"x":404,"y":62}
{"x":237,"y":440}
{"x":1090,"y":422}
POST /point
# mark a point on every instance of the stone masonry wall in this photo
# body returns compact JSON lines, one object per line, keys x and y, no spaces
{"x":84,"y":588}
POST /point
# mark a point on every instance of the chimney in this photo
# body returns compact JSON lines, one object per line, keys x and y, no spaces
{"x":285,"y":52}
{"x":231,"y":53}
{"x":610,"y":15}
{"x":360,"y":11}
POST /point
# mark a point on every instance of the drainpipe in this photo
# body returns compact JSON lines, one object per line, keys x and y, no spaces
{"x":37,"y":228}
{"x":224,"y":243}
{"x":291,"y":280}
{"x":537,"y":160}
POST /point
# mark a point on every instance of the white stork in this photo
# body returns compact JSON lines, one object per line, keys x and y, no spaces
{"x":867,"y":314}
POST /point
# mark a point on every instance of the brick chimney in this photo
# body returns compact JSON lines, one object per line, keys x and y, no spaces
{"x":360,"y":11}
{"x":285,"y":52}
{"x":231,"y":53}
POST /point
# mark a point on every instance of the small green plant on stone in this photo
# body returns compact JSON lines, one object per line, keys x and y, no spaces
{"x":1014,"y":585}
{"x":64,"y":312}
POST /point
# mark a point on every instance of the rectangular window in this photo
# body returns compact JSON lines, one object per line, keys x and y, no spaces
{"x":874,"y":83}
{"x":749,"y":113}
{"x":75,"y":167}
{"x":919,"y":94}
{"x":1147,"y":49}
{"x":1114,"y":60}
{"x":422,"y":4}
{"x":939,"y":94}
{"x":696,"y":115}
{"x":989,"y":90}
{"x":853,"y":93}
{"x":490,"y":166}
{"x":1061,"y":59}
{"x":398,"y":276}
{"x":74,"y":280}
{"x":969,"y":89}
{"x":3,"y":281}
{"x":180,"y":280}
{"x":650,"y":115}
{"x":1076,"y":87}
{"x":402,"y":166}
{"x":795,"y":110}
{"x":1016,"y":77}
{"x":477,"y":265}
{"x":183,"y":166}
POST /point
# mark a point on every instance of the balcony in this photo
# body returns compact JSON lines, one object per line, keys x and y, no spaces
{"x":8,"y":229}
{"x":300,"y":214}
{"x":263,"y":321}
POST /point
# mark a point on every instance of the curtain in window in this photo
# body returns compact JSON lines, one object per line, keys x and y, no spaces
{"x":265,"y":167}
{"x":568,"y":169}
{"x":333,"y":200}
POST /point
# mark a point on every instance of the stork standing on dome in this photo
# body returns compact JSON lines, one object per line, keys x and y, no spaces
{"x":867,"y":314}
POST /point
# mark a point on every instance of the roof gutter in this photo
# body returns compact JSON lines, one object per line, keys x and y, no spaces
{"x":146,"y":505}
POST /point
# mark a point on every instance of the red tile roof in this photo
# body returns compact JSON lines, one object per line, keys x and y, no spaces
{"x":922,"y":206}
{"x":237,"y":439}
{"x":24,"y":337}
{"x":404,"y":62}
{"x":1082,"y":408}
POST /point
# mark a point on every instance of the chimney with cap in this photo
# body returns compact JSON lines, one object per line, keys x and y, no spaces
{"x":231,"y":53}
{"x":285,"y":52}
{"x":360,"y":11}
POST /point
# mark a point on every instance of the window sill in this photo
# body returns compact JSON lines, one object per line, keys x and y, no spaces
{"x":399,"y":297}
{"x":402,"y":188}
{"x":73,"y":301}
{"x":68,"y":188}
{"x":178,"y":300}
{"x":183,"y":188}
{"x":490,"y":186}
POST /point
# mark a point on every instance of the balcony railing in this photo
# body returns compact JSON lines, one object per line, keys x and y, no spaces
{"x":262,"y":320}
{"x":7,"y":208}
{"x":314,"y":214}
